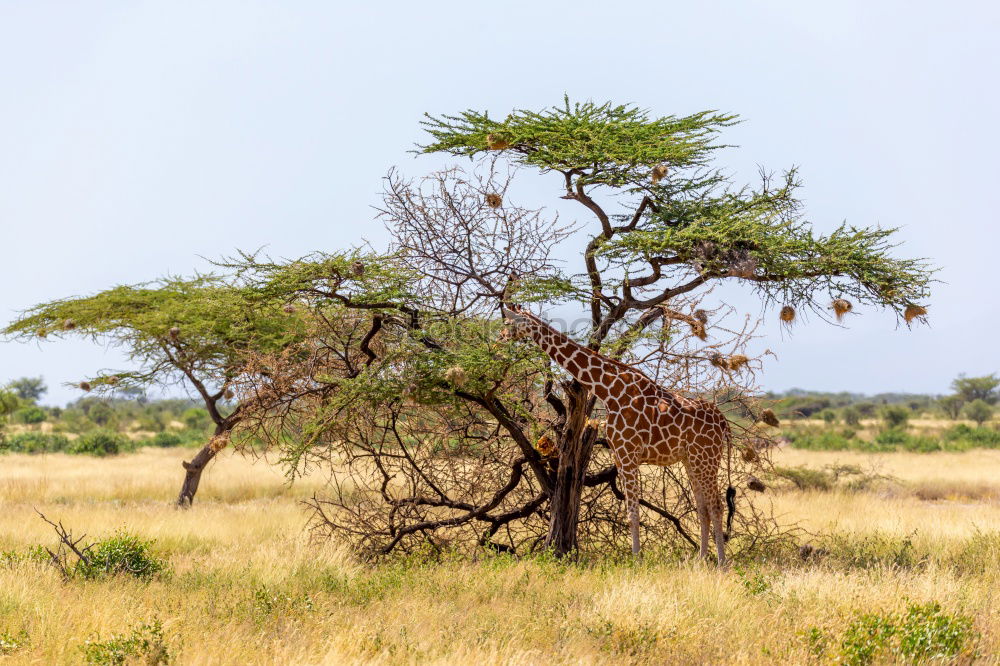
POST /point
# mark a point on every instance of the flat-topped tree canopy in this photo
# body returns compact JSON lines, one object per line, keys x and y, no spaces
{"x":596,"y":143}
{"x":685,"y":222}
{"x":170,"y":327}
{"x":760,"y":236}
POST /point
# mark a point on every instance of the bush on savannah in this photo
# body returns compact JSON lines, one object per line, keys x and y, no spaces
{"x":981,"y":437}
{"x":164,"y":440}
{"x":895,"y":416}
{"x":143,"y":644}
{"x":121,"y":553}
{"x":196,"y":418}
{"x":979,"y":411}
{"x":852,"y":416}
{"x":101,"y":443}
{"x":35,"y":442}
{"x":29,"y":415}
{"x":923,"y":633}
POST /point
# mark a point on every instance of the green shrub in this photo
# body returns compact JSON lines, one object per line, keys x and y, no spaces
{"x":829,"y":416}
{"x":927,"y":633}
{"x":35,"y":442}
{"x":979,"y":411}
{"x":873,"y":551}
{"x":866,"y":638}
{"x":144,"y":644}
{"x":121,"y":553}
{"x":852,"y":416}
{"x":30,"y":415}
{"x":805,"y":478}
{"x":985,"y":437}
{"x":101,"y":443}
{"x":196,"y":418}
{"x":164,"y":440}
{"x":895,"y":416}
{"x":923,"y":633}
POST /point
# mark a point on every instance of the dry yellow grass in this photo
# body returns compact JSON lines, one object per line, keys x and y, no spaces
{"x":248,"y":588}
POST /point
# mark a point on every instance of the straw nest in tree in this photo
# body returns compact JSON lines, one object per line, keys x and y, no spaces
{"x":545,"y":446}
{"x":84,"y":386}
{"x":701,"y":316}
{"x":753,"y":483}
{"x":750,"y":455}
{"x":718,"y":360}
{"x":494,"y":200}
{"x":69,"y":325}
{"x":288,"y":308}
{"x":787,"y":314}
{"x":659,"y":173}
{"x":496,"y":142}
{"x":175,"y":332}
{"x":456,"y":375}
{"x":228,"y":395}
{"x":698,"y":329}
{"x":737,"y":361}
{"x":841,"y":307}
{"x":768,"y":417}
{"x":219,"y":442}
{"x":913,"y":311}
{"x":358,"y":269}
{"x":41,"y":332}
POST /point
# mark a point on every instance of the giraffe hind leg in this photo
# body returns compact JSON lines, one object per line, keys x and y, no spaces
{"x":719,"y":528}
{"x":630,"y":486}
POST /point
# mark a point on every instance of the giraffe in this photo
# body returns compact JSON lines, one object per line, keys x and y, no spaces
{"x":646,"y":424}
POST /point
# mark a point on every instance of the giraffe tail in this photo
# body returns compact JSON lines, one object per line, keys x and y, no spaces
{"x":730,"y":510}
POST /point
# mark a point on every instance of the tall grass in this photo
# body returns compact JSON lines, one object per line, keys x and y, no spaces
{"x":246,"y":586}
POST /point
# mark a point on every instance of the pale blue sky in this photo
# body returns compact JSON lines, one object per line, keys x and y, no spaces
{"x":137,"y":136}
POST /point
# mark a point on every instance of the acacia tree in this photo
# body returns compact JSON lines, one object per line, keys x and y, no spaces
{"x":194,"y":333}
{"x":668,"y":224}
{"x":444,"y":429}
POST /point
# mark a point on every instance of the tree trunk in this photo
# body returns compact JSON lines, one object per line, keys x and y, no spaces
{"x":194,"y":468}
{"x":575,"y":448}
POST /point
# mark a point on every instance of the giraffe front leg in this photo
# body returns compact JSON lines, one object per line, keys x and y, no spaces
{"x":630,"y":486}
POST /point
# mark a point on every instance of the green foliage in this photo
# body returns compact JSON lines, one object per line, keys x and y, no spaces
{"x":829,"y":416}
{"x":829,"y":477}
{"x":165,"y":440}
{"x":957,"y":438}
{"x":852,"y":416}
{"x":101,"y":413}
{"x":952,"y":405}
{"x":979,"y":411}
{"x":121,"y":553}
{"x":982,"y":437}
{"x":35,"y":442}
{"x":605,"y":144}
{"x":196,"y":418}
{"x":866,"y":638}
{"x":30,"y":415}
{"x":8,"y":402}
{"x":101,"y":443}
{"x":699,"y":222}
{"x":754,"y":581}
{"x":924,"y":632}
{"x":873,"y":551}
{"x":170,"y":328}
{"x":895,"y":416}
{"x":11,"y":643}
{"x":977,"y":388}
{"x":144,"y":643}
{"x":29,"y":389}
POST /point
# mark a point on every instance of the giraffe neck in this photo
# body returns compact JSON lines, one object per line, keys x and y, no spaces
{"x":585,"y":365}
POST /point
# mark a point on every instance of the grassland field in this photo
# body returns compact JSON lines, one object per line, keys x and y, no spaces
{"x":247,"y":585}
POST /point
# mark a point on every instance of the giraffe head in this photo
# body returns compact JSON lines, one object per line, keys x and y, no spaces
{"x":517,"y":325}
